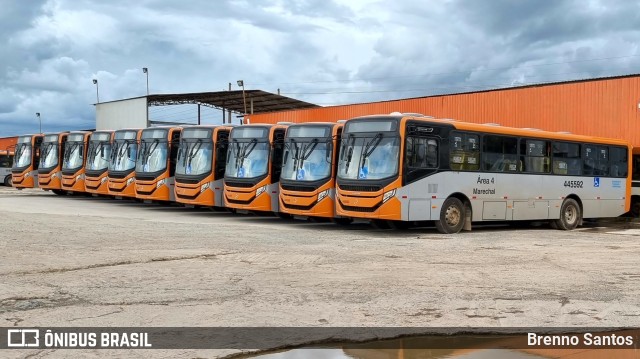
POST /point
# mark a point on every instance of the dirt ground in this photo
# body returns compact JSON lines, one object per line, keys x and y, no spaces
{"x":93,"y":262}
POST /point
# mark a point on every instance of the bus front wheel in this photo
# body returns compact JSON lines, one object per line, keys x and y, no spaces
{"x":452,"y":216}
{"x":7,"y":181}
{"x":569,"y":215}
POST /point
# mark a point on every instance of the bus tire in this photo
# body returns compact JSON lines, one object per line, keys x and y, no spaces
{"x":452,"y":216}
{"x":7,"y":181}
{"x":59,"y":192}
{"x":569,"y":215}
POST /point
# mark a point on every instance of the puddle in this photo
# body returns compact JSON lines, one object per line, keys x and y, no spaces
{"x":400,"y":354}
{"x":462,"y":347}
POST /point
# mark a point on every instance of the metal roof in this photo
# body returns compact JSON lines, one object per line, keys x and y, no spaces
{"x":233,"y":101}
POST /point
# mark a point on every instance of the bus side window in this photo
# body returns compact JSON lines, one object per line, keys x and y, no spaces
{"x":618,"y":161}
{"x":464,"y":152}
{"x":500,"y":154}
{"x":36,"y":153}
{"x":602,"y":166}
{"x":566,"y":158}
{"x":278,"y":153}
{"x":422,"y":152}
{"x":534,"y":154}
{"x":222,"y":146}
{"x":173,"y":155}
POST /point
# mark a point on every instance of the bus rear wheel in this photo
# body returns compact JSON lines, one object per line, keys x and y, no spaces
{"x":570,"y":215}
{"x":7,"y":181}
{"x":452,"y":216}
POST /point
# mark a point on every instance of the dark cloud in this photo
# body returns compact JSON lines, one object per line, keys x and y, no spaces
{"x":326,"y":52}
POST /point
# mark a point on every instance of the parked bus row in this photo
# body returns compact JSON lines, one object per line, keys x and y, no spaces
{"x":391,"y":169}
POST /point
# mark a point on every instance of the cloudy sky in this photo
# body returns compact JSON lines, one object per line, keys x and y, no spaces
{"x":326,"y":52}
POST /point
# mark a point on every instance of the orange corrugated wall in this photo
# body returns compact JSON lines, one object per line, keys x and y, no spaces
{"x":601,"y":107}
{"x":8,"y":143}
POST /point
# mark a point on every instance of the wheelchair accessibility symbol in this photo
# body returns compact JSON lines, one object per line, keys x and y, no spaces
{"x":596,"y":181}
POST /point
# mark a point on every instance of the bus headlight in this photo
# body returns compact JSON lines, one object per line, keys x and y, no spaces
{"x":130,"y":181}
{"x":160,"y":183}
{"x":388,"y":195}
{"x":323,"y":194}
{"x":78,"y":177}
{"x":204,"y":187}
{"x":27,"y":174}
{"x":261,"y":190}
{"x":104,"y":179}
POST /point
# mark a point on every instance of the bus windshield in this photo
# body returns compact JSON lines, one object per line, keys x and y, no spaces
{"x":98,"y":155}
{"x":247,"y":159}
{"x":22,"y":155}
{"x":306,"y":159}
{"x":152,"y":156}
{"x":194,"y":157}
{"x":73,"y":155}
{"x":123,"y":155}
{"x":49,"y":156}
{"x":372,"y":156}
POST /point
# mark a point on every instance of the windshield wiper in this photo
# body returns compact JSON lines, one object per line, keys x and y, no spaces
{"x":193,"y":151}
{"x":307,"y":150}
{"x":45,"y":151}
{"x":248,"y":148}
{"x":349,"y":150}
{"x":149,"y":150}
{"x":295,"y":153}
{"x":369,"y":148}
{"x":67,"y":153}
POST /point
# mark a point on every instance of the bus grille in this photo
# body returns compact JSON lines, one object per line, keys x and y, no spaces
{"x":297,"y":188}
{"x":360,"y":188}
{"x":187,"y":180}
{"x":182,"y":196}
{"x":237,"y":201}
{"x":238,"y":184}
{"x":360,"y":209}
{"x":297,"y":207}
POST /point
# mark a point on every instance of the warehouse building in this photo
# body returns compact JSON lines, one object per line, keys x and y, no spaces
{"x":605,"y":107}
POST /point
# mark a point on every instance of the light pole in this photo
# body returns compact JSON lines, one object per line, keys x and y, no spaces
{"x":145,"y":70}
{"x":244,"y":99}
{"x":39,"y":120}
{"x":95,"y":82}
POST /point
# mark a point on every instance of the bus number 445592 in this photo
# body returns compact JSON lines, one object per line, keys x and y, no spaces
{"x":573,"y":184}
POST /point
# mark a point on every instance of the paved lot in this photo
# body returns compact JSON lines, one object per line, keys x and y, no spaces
{"x":81,"y":261}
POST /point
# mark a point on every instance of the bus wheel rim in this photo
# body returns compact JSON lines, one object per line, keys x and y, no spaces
{"x":570,"y":214}
{"x":452,"y":216}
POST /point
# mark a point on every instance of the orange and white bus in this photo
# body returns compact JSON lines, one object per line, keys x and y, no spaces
{"x":307,"y":183}
{"x":156,"y":163}
{"x":50,"y":168}
{"x":73,"y":163}
{"x":122,"y":163}
{"x":202,"y":157}
{"x":254,"y":164}
{"x":6,"y":161}
{"x":24,"y":172}
{"x":410,"y":168}
{"x":97,"y":167}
